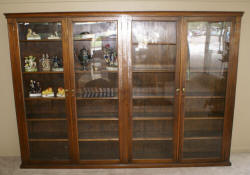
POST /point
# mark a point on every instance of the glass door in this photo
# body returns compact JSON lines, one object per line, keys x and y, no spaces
{"x":96,"y":89}
{"x":205,"y":92}
{"x":154,"y":53}
{"x":42,"y":65}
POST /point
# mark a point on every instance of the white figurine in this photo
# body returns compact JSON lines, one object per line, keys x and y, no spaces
{"x":32,"y":35}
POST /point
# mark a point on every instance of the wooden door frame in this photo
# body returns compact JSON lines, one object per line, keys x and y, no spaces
{"x":121,"y":92}
{"x":231,"y":86}
{"x":18,"y":89}
{"x":176,"y":119}
{"x":230,"y":91}
{"x":17,"y":77}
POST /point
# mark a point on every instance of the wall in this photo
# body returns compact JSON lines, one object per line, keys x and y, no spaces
{"x":9,"y":145}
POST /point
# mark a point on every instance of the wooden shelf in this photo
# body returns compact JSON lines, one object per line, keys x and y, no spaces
{"x":45,"y":119}
{"x":203,"y":114}
{"x":97,"y":98}
{"x":153,"y":71}
{"x":44,"y":40}
{"x":153,"y":97}
{"x":46,"y":115}
{"x":98,"y":140}
{"x":43,"y":72}
{"x":204,"y":118}
{"x":152,"y":139}
{"x":88,"y":71}
{"x":152,"y":118}
{"x":157,"y":43}
{"x":99,"y":115}
{"x":202,"y":138}
{"x":48,"y":140}
{"x":44,"y":98}
{"x":153,"y":114}
{"x":90,"y":39}
{"x":153,"y":68}
{"x":203,"y":97}
{"x":98,"y":119}
{"x":206,"y":71}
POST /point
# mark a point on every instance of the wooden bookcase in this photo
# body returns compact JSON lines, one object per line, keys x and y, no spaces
{"x":157,"y":88}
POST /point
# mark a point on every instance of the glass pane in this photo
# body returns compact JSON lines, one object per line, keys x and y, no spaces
{"x":40,"y":150}
{"x":153,"y":62}
{"x":152,"y":129}
{"x":203,"y":128}
{"x":43,"y":84}
{"x":102,"y":150}
{"x":206,"y":81}
{"x":152,"y":149}
{"x":98,"y":129}
{"x":154,"y":45}
{"x":96,"y":82}
{"x":207,"y":148}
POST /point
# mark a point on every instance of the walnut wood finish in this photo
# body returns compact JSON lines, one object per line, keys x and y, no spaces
{"x":71,"y":123}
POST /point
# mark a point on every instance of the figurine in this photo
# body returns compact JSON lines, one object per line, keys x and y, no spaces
{"x":110,"y":57}
{"x":45,"y":63}
{"x":30,"y":64}
{"x":34,"y":89}
{"x":57,"y":64}
{"x":84,"y":58}
{"x":48,"y":92}
{"x":55,"y":36}
{"x":38,"y":87}
{"x":32,"y":35}
{"x":60,"y":92}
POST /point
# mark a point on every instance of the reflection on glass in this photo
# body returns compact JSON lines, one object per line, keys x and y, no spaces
{"x":206,"y":82}
{"x":208,"y":45}
{"x":153,"y":61}
{"x":99,"y":51}
{"x":154,"y":45}
{"x":153,"y":32}
{"x":40,"y":31}
{"x":96,"y":54}
{"x":96,"y":83}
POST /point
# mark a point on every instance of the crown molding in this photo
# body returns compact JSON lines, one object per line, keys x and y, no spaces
{"x":103,"y":1}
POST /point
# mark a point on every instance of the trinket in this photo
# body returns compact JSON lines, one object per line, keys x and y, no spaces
{"x":30,"y":64}
{"x":57,"y":64}
{"x":110,"y":57}
{"x":84,"y":58}
{"x":32,"y":35}
{"x":34,"y":89}
{"x":45,"y":63}
{"x":60,"y":92}
{"x":48,"y":92}
{"x":54,"y":36}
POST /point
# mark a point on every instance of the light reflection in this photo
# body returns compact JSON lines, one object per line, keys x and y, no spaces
{"x":208,"y":46}
{"x":144,"y":37}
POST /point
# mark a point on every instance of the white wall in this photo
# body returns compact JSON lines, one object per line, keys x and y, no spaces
{"x":9,"y":145}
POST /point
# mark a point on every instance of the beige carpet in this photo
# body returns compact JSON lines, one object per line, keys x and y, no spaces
{"x":240,"y":166}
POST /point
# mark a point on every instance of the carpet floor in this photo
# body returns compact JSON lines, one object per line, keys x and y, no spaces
{"x":240,"y":166}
